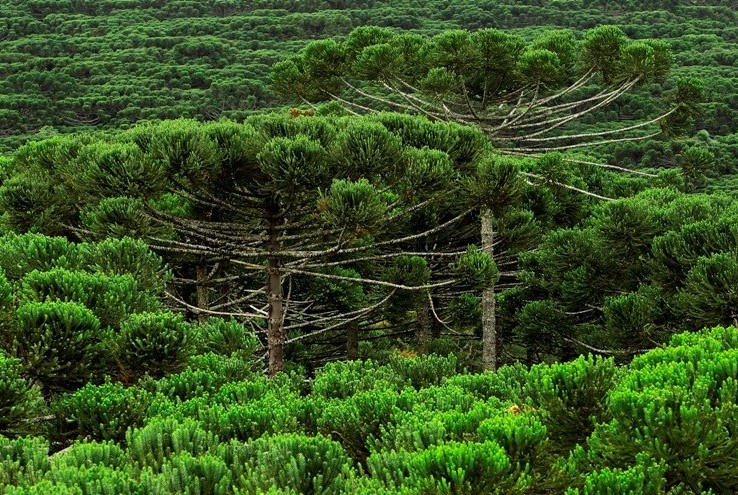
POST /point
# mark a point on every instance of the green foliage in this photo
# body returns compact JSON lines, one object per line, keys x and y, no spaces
{"x":95,"y":479}
{"x":87,"y":454}
{"x":187,"y":474}
{"x":23,"y":461}
{"x":309,"y":465}
{"x":690,"y":427}
{"x":573,"y":398}
{"x":156,"y":344}
{"x":643,"y":479}
{"x":103,"y":412}
{"x":477,"y":269}
{"x":128,"y":256}
{"x":21,"y":402}
{"x":226,"y":338}
{"x":59,"y":343}
{"x":423,"y":371}
{"x":358,"y":206}
{"x":21,"y":254}
{"x":463,"y":468}
{"x":110,"y":298}
{"x":341,"y":380}
{"x":358,"y":418}
{"x":161,"y":438}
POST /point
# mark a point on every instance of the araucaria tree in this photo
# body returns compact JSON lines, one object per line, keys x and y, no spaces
{"x":528,"y":98}
{"x":523,"y":95}
{"x":273,"y":206}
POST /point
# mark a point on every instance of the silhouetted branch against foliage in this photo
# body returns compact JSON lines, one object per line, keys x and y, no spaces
{"x":517,"y":92}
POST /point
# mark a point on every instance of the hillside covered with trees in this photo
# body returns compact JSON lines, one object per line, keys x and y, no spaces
{"x":106,"y":64}
{"x":374,"y":247}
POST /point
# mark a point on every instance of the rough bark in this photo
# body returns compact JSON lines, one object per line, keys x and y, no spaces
{"x":352,"y":341}
{"x":489,"y":317}
{"x":275,"y":331}
{"x":423,"y":326}
{"x":203,"y":297}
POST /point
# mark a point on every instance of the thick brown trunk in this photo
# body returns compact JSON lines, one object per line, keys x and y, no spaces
{"x":489,"y":318}
{"x":203,"y":299}
{"x":423,"y":326}
{"x":352,"y":341}
{"x":275,"y":331}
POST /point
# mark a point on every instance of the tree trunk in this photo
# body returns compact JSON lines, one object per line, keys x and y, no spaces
{"x":275,"y":332}
{"x":423,"y":326}
{"x":352,"y":341}
{"x":489,"y":318}
{"x":436,"y":325}
{"x":203,"y":299}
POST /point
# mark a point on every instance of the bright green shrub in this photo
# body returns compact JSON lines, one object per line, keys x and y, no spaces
{"x":20,"y":401}
{"x":127,"y":256}
{"x":161,"y":438}
{"x":188,"y":475}
{"x":571,"y":398}
{"x":189,"y":384}
{"x":455,"y":467}
{"x":233,"y":368}
{"x":421,"y":427}
{"x":21,"y":254}
{"x":45,"y":488}
{"x":423,"y":371}
{"x":225,"y":338}
{"x":441,"y":398}
{"x":111,"y":298}
{"x":643,"y":479}
{"x":679,"y":406}
{"x":521,"y":434}
{"x":23,"y":460}
{"x":97,"y":480}
{"x":339,"y":380}
{"x":249,"y":390}
{"x":355,"y":420}
{"x":103,"y":412}
{"x":88,"y":454}
{"x":206,"y":374}
{"x":282,"y":386}
{"x":505,"y":384}
{"x":6,"y":292}
{"x":269,"y":414}
{"x":155,"y":344}
{"x":307,"y":465}
{"x":210,"y":374}
{"x":59,"y":343}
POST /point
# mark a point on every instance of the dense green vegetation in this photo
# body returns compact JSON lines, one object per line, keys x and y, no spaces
{"x":663,"y":424}
{"x":372,"y":247}
{"x":67,"y":64}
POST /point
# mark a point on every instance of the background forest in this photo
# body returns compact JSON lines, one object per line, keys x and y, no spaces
{"x":256,"y":247}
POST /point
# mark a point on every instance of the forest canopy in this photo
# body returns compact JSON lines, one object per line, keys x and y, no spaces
{"x":376,"y":247}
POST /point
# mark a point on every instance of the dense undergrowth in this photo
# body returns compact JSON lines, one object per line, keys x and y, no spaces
{"x":413,"y":425}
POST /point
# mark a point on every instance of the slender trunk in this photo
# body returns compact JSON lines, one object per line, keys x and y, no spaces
{"x":436,"y":326}
{"x":423,"y":326}
{"x":203,"y":299}
{"x":275,"y":332}
{"x":489,"y":319}
{"x":352,"y":341}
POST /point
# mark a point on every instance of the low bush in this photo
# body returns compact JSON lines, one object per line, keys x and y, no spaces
{"x":153,"y":344}
{"x":21,"y":402}
{"x":59,"y":343}
{"x":308,"y":465}
{"x":102,"y":412}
